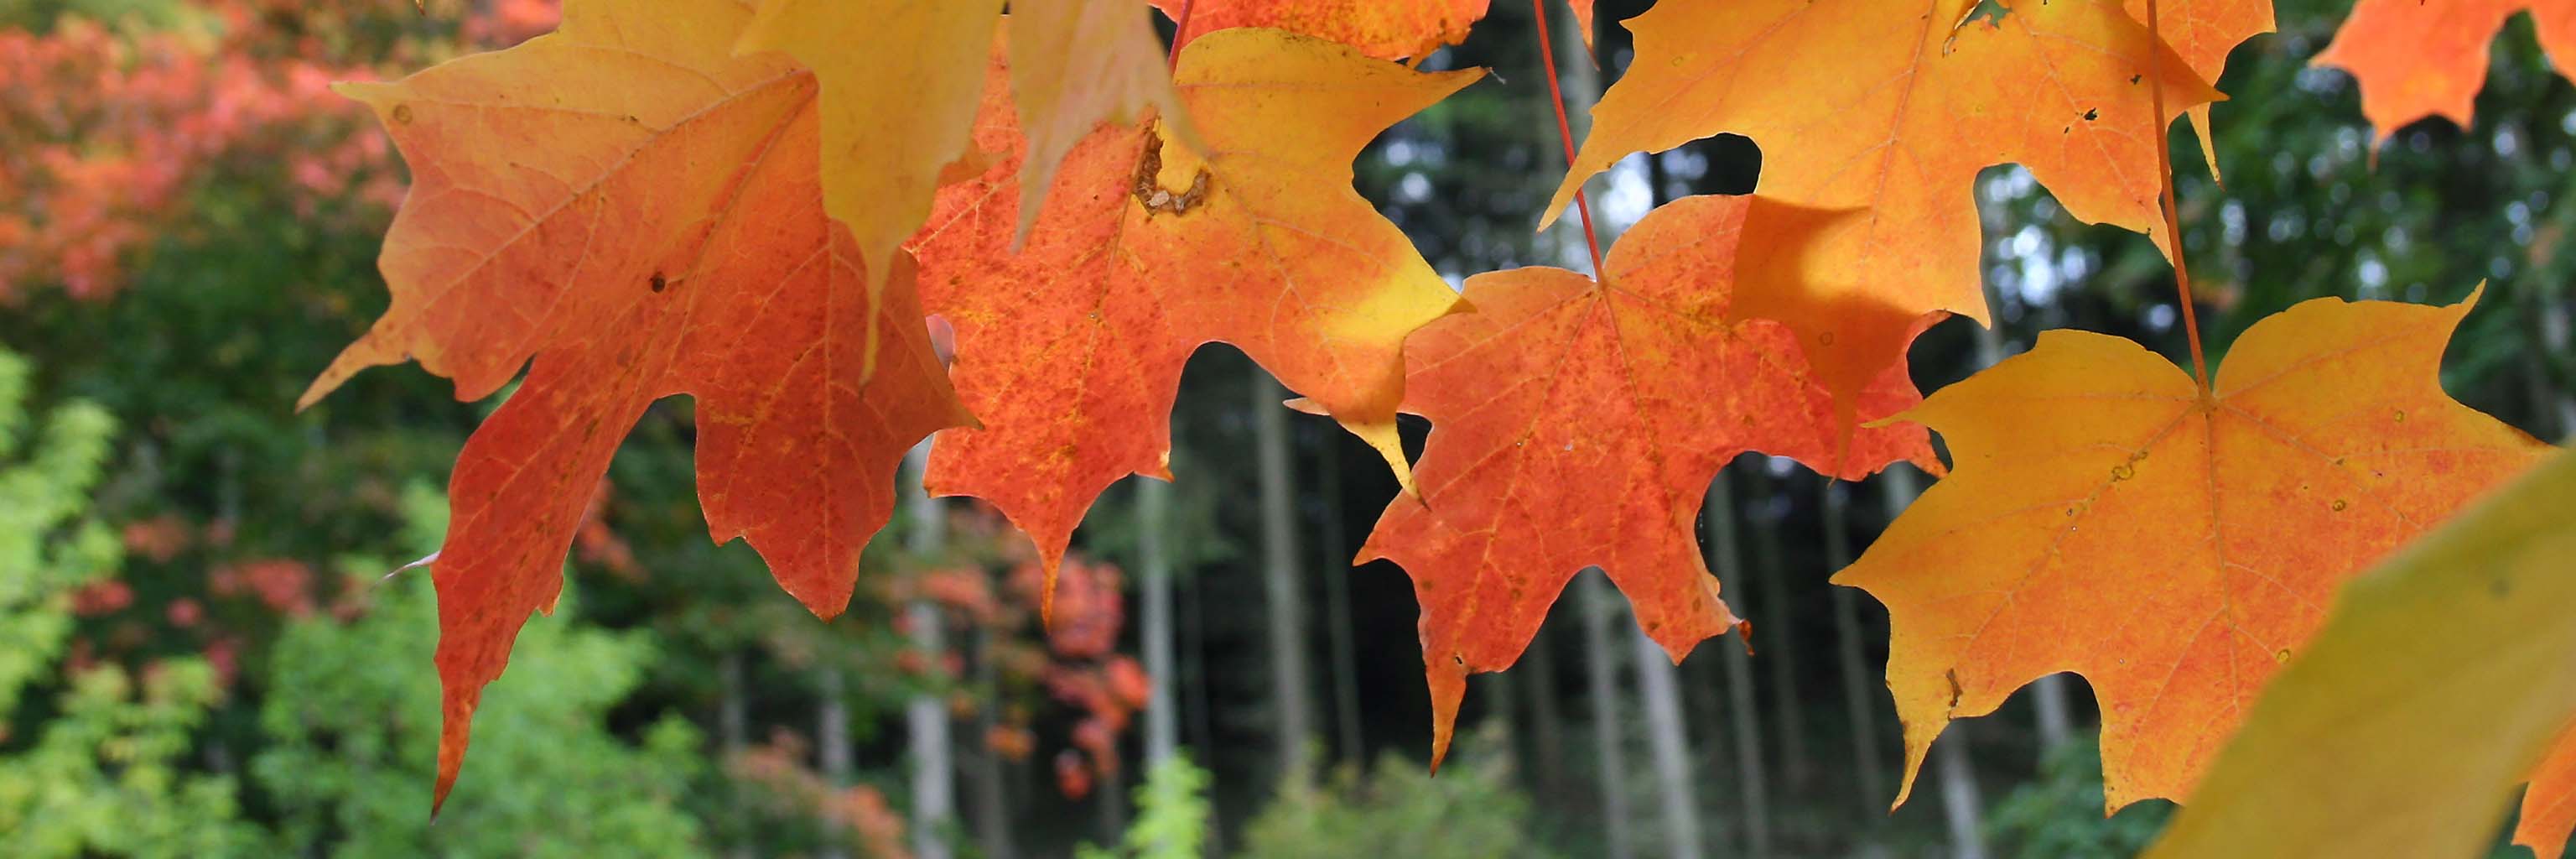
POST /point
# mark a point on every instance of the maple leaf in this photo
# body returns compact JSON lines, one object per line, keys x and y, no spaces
{"x":2202,"y":33}
{"x":1388,"y":29}
{"x":2549,"y":805}
{"x":1070,"y":350}
{"x":642,"y":213}
{"x":2439,"y":678}
{"x":2108,"y":517}
{"x":1066,"y":82}
{"x":1578,"y":424}
{"x":1917,"y":98}
{"x":900,"y":84}
{"x":2415,"y":59}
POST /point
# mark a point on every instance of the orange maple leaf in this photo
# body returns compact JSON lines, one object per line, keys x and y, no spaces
{"x":2415,"y":59}
{"x":899,"y":93}
{"x":1578,"y":424}
{"x":641,"y":212}
{"x":1914,"y":99}
{"x":1388,"y":29}
{"x":2549,"y":805}
{"x":1070,"y":350}
{"x":2108,"y":517}
{"x":2202,"y":33}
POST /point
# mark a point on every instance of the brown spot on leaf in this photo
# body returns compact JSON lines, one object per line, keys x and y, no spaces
{"x":1153,"y":195}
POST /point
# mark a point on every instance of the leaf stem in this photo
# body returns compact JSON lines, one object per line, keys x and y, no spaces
{"x":1565,"y":134}
{"x":2172,"y":214}
{"x":1180,"y":32}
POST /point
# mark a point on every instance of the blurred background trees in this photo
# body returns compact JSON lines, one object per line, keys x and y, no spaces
{"x":199,"y":653}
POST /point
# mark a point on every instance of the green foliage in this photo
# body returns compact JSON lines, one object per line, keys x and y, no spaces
{"x":353,"y":716}
{"x":49,"y":545}
{"x":2059,"y":815}
{"x":1472,"y":810}
{"x":106,"y":776}
{"x":100,"y":776}
{"x":1172,"y":813}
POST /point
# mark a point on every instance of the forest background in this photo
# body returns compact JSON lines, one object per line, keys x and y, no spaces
{"x":200,"y":652}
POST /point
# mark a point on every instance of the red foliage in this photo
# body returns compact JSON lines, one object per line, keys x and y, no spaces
{"x":110,"y":124}
{"x":101,"y":597}
{"x":1012,"y":742}
{"x":185,"y":613}
{"x":598,"y":544}
{"x":1071,"y":776}
{"x":1128,"y":682}
{"x":159,"y":538}
{"x":285,"y":586}
{"x":965,"y":591}
{"x":1088,"y":608}
{"x":779,"y":768}
{"x":878,"y":826}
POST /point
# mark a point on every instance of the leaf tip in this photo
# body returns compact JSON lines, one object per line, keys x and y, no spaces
{"x":1447,"y":675}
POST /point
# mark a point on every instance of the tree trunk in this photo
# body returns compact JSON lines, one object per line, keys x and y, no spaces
{"x":1727,"y":558}
{"x":1162,"y":717}
{"x":2554,"y":337}
{"x":1597,"y":606}
{"x":1672,"y":753}
{"x":1282,"y":594}
{"x":1861,"y":705}
{"x":992,"y":792}
{"x":1199,"y":721}
{"x":832,"y":734}
{"x":1501,"y":688}
{"x":934,"y":792}
{"x":733,"y":727}
{"x":1702,"y":680}
{"x":1109,"y":799}
{"x":1961,"y":807}
{"x":1337,"y":608}
{"x":1547,"y":739}
{"x":1776,"y":639}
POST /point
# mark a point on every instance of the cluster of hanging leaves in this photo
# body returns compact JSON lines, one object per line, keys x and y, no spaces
{"x":758,"y":207}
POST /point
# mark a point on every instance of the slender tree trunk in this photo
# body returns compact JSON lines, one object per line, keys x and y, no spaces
{"x":1602,"y":665}
{"x":1283,"y":596}
{"x":1777,"y":638}
{"x":733,"y":727}
{"x":1727,"y":558}
{"x":1501,"y":688}
{"x":1162,"y":717}
{"x":1701,"y":681}
{"x":1337,"y":608}
{"x":1109,"y":800}
{"x":1199,"y":720}
{"x":992,"y":790}
{"x":1961,"y":806}
{"x":832,"y":733}
{"x":934,"y":792}
{"x":1671,"y":745}
{"x":1860,"y":703}
{"x":1547,"y":741}
{"x":2554,"y":337}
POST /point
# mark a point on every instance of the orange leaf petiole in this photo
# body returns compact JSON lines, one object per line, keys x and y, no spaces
{"x":2173,"y":223}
